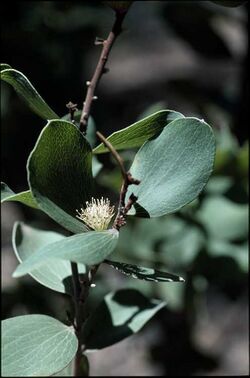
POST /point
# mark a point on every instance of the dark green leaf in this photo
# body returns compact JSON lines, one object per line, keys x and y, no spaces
{"x":173,"y":167}
{"x":36,"y":345}
{"x":89,"y":248}
{"x":60,"y":173}
{"x":54,"y":274}
{"x":119,"y":315}
{"x":91,"y":130}
{"x":25,"y":89}
{"x":142,"y":273}
{"x":24,"y":197}
{"x":137,"y":133}
{"x":91,"y":138}
{"x":4,"y":66}
{"x":154,"y":108}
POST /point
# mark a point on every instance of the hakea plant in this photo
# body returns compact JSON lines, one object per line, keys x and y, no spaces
{"x":170,"y":169}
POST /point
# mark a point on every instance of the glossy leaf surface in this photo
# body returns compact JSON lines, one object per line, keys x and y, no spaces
{"x":60,"y":173}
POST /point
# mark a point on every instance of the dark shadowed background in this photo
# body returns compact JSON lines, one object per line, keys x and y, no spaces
{"x":189,"y":56}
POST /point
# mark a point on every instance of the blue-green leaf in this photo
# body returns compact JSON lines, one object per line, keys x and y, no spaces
{"x":89,"y":248}
{"x":224,"y":219}
{"x":55,"y":274}
{"x":36,"y":345}
{"x":120,"y":314}
{"x":238,"y":252}
{"x":173,"y":167}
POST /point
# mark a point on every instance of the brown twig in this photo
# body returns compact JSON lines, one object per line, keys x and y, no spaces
{"x":100,"y":69}
{"x":78,"y":317}
{"x":80,"y":294}
{"x":72,"y":109}
{"x":123,"y":208}
{"x":113,"y":152}
{"x":81,"y":288}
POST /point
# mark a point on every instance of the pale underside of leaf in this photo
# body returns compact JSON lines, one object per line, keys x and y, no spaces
{"x":89,"y":248}
{"x":55,"y":274}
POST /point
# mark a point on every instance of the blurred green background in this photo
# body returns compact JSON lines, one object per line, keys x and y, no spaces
{"x":189,"y":56}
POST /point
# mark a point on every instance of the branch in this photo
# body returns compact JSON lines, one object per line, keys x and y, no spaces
{"x":78,"y":321}
{"x":100,"y":69}
{"x":113,"y":152}
{"x":72,"y":108}
{"x":123,"y":208}
{"x":81,"y":291}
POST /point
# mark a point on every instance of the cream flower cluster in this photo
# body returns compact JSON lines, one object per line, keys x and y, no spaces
{"x":97,"y":214}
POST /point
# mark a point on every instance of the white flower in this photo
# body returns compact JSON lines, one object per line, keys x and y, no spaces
{"x":98,"y":214}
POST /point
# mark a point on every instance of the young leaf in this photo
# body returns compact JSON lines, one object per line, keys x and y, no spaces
{"x":173,"y":168}
{"x":36,"y":345}
{"x":137,"y":133}
{"x":25,"y":89}
{"x":60,"y":173}
{"x":55,"y":274}
{"x":142,"y":273}
{"x":120,"y":314}
{"x":89,"y":248}
{"x":24,"y":197}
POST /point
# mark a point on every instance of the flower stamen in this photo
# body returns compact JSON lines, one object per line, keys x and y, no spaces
{"x":97,"y":214}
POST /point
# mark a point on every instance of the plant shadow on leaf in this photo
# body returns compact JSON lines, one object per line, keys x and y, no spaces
{"x":68,"y":284}
{"x":120,"y":315}
{"x":140,"y":211}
